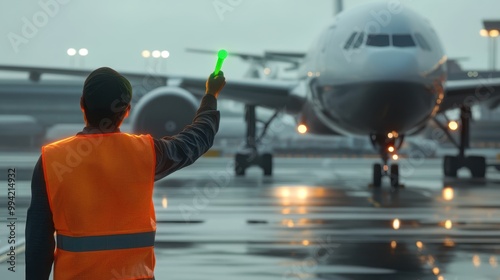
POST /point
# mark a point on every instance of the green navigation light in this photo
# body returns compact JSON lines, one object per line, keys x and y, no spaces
{"x":221,"y":55}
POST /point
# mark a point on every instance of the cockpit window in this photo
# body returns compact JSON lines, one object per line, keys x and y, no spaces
{"x":422,"y":42}
{"x":349,"y":42}
{"x":359,"y":40}
{"x":384,"y":40}
{"x":402,"y":40}
{"x":378,"y":40}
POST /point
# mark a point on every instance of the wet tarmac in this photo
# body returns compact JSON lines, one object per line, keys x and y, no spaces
{"x":314,"y":219}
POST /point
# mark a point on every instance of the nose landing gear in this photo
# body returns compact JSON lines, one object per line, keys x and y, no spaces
{"x":387,"y":145}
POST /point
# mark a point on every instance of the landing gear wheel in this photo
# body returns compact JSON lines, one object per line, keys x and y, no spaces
{"x":395,"y":175}
{"x":240,"y":164}
{"x":267,"y":164}
{"x":450,"y":166}
{"x":377,"y":175}
{"x":477,"y":166}
{"x":239,"y":171}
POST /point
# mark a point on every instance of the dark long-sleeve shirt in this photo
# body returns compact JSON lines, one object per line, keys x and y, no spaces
{"x":172,"y":153}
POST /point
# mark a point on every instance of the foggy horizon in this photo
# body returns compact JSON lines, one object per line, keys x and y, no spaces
{"x":116,"y":32}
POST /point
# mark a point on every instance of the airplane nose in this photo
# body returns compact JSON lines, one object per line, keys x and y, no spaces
{"x":387,"y":66}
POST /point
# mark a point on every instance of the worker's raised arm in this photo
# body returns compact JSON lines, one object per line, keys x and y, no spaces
{"x":181,"y":150}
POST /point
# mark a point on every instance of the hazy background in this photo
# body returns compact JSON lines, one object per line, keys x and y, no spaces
{"x":116,"y":31}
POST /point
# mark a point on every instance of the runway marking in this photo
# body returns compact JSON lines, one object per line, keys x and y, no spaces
{"x":373,"y":202}
{"x":358,"y":194}
{"x":426,"y":193}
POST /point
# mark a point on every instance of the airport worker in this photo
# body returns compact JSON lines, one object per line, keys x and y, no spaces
{"x":94,"y":190}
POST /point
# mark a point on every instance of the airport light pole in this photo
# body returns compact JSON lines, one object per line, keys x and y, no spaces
{"x":492,"y":31}
{"x":164,"y":54}
{"x":146,"y":54}
{"x":83,"y":52}
{"x":73,"y":53}
{"x":157,"y":55}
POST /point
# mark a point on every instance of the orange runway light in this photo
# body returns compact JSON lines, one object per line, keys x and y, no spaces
{"x":448,"y":194}
{"x":302,"y":193}
{"x":302,"y":128}
{"x":493,"y":261}
{"x":390,"y":149}
{"x":448,"y":242}
{"x":435,"y":270}
{"x":285,"y":192}
{"x":453,"y":125}
{"x":396,"y":224}
{"x":395,"y":157}
{"x":448,"y":224}
{"x":476,"y":261}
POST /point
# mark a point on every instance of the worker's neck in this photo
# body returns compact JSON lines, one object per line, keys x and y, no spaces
{"x":100,"y":130}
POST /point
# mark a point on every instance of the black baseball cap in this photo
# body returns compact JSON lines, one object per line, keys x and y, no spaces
{"x":106,"y":93}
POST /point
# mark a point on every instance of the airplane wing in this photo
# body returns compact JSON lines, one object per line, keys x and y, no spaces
{"x":473,"y":91}
{"x":35,"y":73}
{"x":294,"y":58}
{"x":270,"y":94}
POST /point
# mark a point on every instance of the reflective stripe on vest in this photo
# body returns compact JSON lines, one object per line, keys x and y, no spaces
{"x":105,"y":242}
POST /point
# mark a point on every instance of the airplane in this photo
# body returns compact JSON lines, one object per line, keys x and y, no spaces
{"x":379,"y":70}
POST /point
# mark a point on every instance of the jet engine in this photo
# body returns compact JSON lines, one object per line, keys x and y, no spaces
{"x":164,"y":111}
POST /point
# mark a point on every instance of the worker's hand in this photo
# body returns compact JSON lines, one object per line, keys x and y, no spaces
{"x":215,"y":84}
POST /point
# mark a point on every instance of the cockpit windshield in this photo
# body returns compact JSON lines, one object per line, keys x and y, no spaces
{"x":357,"y":39}
{"x":403,"y":40}
{"x":378,"y":40}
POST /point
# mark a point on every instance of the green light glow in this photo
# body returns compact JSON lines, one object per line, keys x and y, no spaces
{"x":221,"y":55}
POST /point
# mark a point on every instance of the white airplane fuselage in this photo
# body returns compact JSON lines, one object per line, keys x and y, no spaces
{"x":378,"y":68}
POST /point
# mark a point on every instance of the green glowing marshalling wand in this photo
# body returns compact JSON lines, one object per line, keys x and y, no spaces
{"x":221,"y":55}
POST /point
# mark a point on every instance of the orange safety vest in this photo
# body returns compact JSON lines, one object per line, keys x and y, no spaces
{"x":100,"y":189}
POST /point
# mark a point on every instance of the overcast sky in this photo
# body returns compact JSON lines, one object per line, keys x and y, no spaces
{"x":116,"y":31}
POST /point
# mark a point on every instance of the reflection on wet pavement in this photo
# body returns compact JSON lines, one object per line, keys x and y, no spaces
{"x":318,"y":219}
{"x":325,"y":223}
